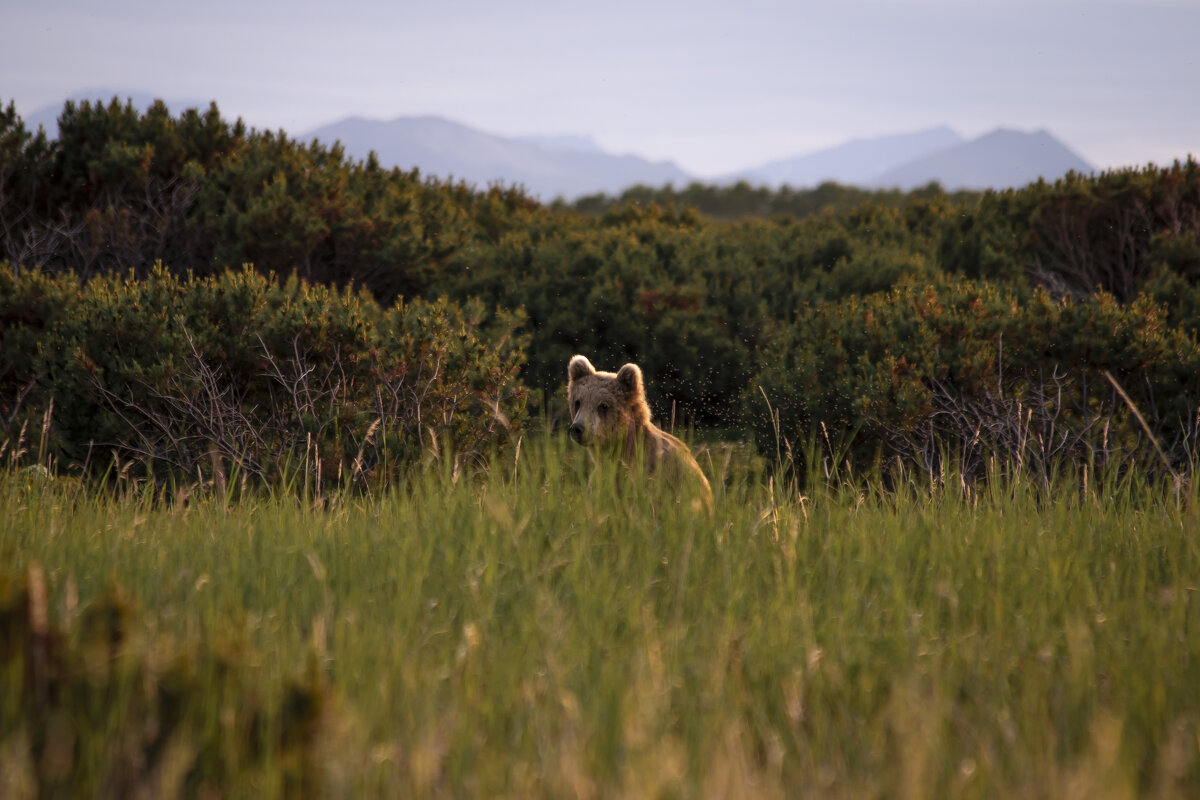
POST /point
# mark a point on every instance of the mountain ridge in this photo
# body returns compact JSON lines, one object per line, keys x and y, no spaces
{"x":550,"y":166}
{"x":545,"y":166}
{"x":999,"y":159}
{"x":857,"y":161}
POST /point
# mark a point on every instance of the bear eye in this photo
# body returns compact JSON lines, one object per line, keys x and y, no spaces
{"x":576,"y":406}
{"x":602,"y":408}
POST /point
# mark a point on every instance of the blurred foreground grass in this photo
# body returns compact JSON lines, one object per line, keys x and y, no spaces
{"x":544,"y":631}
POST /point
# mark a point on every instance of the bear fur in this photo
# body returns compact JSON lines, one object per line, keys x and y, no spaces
{"x":609,"y":412}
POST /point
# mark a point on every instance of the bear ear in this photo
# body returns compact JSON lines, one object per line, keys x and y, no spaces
{"x":630,"y":377}
{"x":579,"y":367}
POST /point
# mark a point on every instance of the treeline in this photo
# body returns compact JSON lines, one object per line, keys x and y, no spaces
{"x":121,"y":190}
{"x":741,"y":199}
{"x":896,"y":324}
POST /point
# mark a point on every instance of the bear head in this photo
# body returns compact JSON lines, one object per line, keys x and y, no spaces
{"x":605,"y":406}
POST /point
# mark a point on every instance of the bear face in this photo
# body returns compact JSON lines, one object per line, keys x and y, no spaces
{"x":604,"y":406}
{"x":609,"y":411}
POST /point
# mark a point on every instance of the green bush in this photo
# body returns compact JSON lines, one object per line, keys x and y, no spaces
{"x":699,"y":303}
{"x":241,"y":372}
{"x":30,"y":306}
{"x":121,"y":190}
{"x":1081,"y":234}
{"x":687,"y":300}
{"x":742,"y":200}
{"x":965,"y":365}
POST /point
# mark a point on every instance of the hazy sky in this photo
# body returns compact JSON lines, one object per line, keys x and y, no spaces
{"x":715,"y":86}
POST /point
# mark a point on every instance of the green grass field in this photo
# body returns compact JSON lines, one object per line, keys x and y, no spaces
{"x":542,"y":631}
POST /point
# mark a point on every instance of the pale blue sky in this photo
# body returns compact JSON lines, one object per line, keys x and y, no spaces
{"x":714,"y":86}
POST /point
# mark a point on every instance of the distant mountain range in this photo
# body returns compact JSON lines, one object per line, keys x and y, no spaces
{"x":549,"y":167}
{"x":571,"y":166}
{"x":859,"y":162}
{"x":1001,"y":159}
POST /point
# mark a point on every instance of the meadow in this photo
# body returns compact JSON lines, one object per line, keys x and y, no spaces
{"x":550,"y":628}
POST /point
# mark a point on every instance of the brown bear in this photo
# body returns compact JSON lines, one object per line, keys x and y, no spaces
{"x":609,"y":411}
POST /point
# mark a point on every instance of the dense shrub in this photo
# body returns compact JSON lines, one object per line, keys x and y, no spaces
{"x":637,"y":290}
{"x":688,"y":300}
{"x":120,"y":190}
{"x":244,"y":372}
{"x":701,"y":304}
{"x":1082,"y":234}
{"x":964,"y":365}
{"x":742,"y":200}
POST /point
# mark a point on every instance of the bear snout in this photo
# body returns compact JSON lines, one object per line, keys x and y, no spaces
{"x":576,"y":432}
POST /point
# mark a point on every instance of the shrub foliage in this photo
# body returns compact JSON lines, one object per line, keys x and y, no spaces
{"x":244,"y":374}
{"x":964,"y":365}
{"x":1074,"y":289}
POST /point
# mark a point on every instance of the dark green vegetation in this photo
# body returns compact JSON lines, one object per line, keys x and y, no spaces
{"x":1075,"y":289}
{"x":742,"y":200}
{"x":240,"y":376}
{"x":275,"y":521}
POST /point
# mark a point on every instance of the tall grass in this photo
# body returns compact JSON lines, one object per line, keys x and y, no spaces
{"x":555,"y":628}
